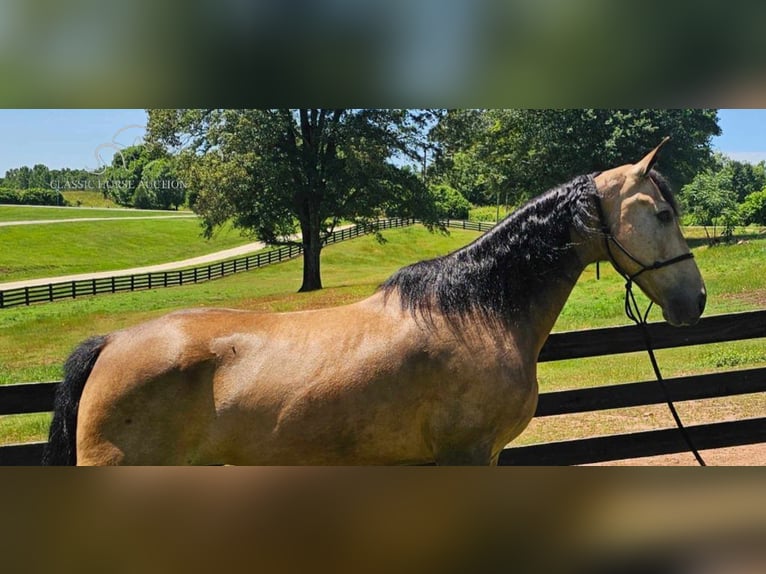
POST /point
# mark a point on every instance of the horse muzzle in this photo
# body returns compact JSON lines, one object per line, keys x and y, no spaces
{"x":685,"y":311}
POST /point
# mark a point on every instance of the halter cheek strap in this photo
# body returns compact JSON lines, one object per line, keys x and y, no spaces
{"x":609,"y":239}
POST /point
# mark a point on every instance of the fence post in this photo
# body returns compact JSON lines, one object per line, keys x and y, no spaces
{"x":114,"y":287}
{"x":74,"y":289}
{"x":2,"y":300}
{"x":132,"y":282}
{"x":26,"y":295}
{"x":50,"y":292}
{"x":93,"y":287}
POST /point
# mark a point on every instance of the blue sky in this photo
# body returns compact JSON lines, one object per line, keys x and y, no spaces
{"x":66,"y":138}
{"x":744,"y":134}
{"x":74,"y":138}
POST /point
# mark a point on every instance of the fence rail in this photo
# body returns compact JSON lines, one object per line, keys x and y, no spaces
{"x":481,"y":226}
{"x":38,"y":397}
{"x":120,"y":283}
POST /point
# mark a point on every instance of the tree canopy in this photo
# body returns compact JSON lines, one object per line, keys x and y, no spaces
{"x":274,"y":171}
{"x":523,"y":152}
{"x":727,"y":194}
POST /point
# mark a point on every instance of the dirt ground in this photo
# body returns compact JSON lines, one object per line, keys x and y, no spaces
{"x":750,"y":455}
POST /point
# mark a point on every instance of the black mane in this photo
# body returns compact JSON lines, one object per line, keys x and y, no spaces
{"x":665,"y":190}
{"x":504,"y":270}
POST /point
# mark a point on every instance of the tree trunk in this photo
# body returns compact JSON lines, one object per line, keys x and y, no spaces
{"x":312,"y":247}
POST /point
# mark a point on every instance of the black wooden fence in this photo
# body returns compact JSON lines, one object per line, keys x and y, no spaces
{"x":87,"y":287}
{"x":481,"y":226}
{"x":618,"y":340}
{"x":38,"y":397}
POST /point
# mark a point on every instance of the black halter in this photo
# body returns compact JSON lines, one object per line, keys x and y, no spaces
{"x":631,"y":307}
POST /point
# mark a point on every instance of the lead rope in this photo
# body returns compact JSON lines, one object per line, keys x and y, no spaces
{"x":634,"y":314}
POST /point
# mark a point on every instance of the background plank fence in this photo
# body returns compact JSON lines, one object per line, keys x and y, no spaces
{"x":89,"y":287}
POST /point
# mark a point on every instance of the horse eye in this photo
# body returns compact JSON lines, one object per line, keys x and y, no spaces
{"x":665,"y":216}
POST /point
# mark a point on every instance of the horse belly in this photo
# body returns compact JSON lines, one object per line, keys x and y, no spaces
{"x":353,"y":407}
{"x":396,"y":403}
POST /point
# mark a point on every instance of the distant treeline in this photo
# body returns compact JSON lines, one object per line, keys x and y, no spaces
{"x":139,"y":176}
{"x":41,"y":177}
{"x":32,"y":196}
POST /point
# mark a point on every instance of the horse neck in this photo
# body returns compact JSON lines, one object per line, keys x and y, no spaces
{"x":546,"y":306}
{"x":531,"y":262}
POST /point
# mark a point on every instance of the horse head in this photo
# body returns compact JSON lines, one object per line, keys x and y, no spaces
{"x":643,"y":239}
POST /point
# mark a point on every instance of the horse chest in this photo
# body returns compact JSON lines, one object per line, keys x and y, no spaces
{"x":481,"y":394}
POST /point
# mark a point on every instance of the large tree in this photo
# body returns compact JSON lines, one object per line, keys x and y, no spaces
{"x":274,"y":170}
{"x":460,"y":139}
{"x":18,"y":177}
{"x":711,"y":202}
{"x":524,"y":152}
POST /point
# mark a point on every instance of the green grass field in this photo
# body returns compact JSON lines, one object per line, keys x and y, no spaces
{"x":34,"y":341}
{"x":88,"y":199}
{"x":30,"y":251}
{"x":39,"y":213}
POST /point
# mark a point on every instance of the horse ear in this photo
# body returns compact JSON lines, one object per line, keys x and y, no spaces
{"x":645,"y":165}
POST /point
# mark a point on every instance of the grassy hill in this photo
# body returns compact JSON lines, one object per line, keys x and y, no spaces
{"x":88,"y":199}
{"x":31,"y":251}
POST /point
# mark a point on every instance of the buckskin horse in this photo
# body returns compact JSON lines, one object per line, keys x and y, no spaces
{"x":437,"y":366}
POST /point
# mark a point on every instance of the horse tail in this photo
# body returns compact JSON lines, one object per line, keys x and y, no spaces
{"x":61,"y":448}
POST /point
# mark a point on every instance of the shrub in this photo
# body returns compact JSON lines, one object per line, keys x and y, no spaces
{"x":710,"y":202}
{"x":40,"y":196}
{"x":450,"y":202}
{"x":144,"y":198}
{"x":34,"y":196}
{"x":9,"y":196}
{"x":119,"y":185}
{"x":753,"y":209}
{"x":160,"y":177}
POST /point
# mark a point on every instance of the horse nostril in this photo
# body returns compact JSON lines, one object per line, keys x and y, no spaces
{"x":702,"y":301}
